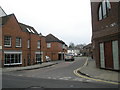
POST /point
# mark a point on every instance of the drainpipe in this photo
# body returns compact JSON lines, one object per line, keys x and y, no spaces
{"x":40,"y":35}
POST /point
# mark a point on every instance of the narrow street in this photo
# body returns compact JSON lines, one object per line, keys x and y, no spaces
{"x":57,"y":76}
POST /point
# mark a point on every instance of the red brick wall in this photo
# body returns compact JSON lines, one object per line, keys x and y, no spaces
{"x":100,"y":28}
{"x":12,"y":28}
{"x":52,"y":52}
{"x":102,"y":31}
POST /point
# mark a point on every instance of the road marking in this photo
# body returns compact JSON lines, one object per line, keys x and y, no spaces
{"x":79,"y":75}
{"x":20,"y":75}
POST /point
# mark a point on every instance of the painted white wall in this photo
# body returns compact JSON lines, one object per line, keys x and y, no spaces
{"x":2,"y":13}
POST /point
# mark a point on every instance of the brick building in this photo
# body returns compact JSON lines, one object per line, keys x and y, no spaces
{"x":55,"y":48}
{"x":2,"y":13}
{"x":21,"y":44}
{"x":87,"y":50}
{"x":106,"y":34}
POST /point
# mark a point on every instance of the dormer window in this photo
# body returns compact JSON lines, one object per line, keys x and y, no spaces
{"x":104,"y":9}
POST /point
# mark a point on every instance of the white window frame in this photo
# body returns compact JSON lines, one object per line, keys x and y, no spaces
{"x":104,"y":8}
{"x":48,"y":45}
{"x":28,"y":44}
{"x":7,"y":42}
{"x":20,"y":41}
{"x":40,"y":53}
{"x":38,"y":44}
{"x":13,"y":52}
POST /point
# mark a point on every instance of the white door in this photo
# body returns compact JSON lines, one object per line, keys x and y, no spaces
{"x":102,"y":60}
{"x":115,"y":55}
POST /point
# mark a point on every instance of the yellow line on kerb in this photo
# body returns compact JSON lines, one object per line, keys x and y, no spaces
{"x":79,"y":75}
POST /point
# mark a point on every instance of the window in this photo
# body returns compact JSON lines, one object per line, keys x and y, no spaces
{"x":11,"y":59}
{"x":38,"y":57}
{"x":48,"y":45}
{"x":104,"y":9}
{"x":28,"y":44}
{"x":38,"y":44}
{"x":18,"y":42}
{"x":7,"y":41}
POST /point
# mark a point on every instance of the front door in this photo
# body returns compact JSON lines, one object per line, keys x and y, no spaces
{"x":108,"y":55}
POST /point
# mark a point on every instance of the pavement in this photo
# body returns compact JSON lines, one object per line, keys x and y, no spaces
{"x":37,"y":66}
{"x":90,"y":70}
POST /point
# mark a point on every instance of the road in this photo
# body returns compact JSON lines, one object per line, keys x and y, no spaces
{"x":57,"y":76}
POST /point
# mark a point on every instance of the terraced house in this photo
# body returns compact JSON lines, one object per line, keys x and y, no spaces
{"x":21,"y":44}
{"x":106,"y":34}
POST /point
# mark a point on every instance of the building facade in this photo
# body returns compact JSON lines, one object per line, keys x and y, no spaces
{"x":55,"y":48}
{"x":106,"y":34}
{"x":21,"y":44}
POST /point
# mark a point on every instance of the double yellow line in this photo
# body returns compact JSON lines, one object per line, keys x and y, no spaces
{"x":79,"y":75}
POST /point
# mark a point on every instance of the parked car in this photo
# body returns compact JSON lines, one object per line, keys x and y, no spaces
{"x":69,"y":57}
{"x":48,"y":59}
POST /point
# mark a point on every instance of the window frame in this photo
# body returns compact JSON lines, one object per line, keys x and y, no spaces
{"x":20,"y":42}
{"x":48,"y":45}
{"x":10,"y":42}
{"x":28,"y":43}
{"x":38,"y":59}
{"x":105,"y":9}
{"x":19,"y":58}
{"x":38,"y":44}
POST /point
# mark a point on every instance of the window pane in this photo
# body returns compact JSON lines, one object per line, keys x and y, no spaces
{"x":18,"y":42}
{"x":100,"y":13}
{"x":48,"y":45}
{"x":7,"y":41}
{"x":28,"y":44}
{"x":16,"y":58}
{"x":19,"y":58}
{"x":38,"y":44}
{"x":12,"y":58}
{"x":104,"y":9}
{"x":108,"y":5}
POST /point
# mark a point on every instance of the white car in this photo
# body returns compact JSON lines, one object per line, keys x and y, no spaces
{"x":48,"y":59}
{"x":69,"y":57}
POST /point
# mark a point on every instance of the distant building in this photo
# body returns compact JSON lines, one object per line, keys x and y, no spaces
{"x":74,"y":52}
{"x":87,"y":50}
{"x":106,"y":34}
{"x":55,"y":48}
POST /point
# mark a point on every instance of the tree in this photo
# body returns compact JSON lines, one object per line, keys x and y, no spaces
{"x":72,"y":45}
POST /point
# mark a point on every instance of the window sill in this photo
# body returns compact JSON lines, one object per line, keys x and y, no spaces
{"x":18,"y":47}
{"x":13,"y":64}
{"x":8,"y":46}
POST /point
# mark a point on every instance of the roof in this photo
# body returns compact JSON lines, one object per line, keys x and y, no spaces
{"x":4,"y":19}
{"x":2,"y":12}
{"x":52,"y":38}
{"x":26,"y":28}
{"x":88,"y":46}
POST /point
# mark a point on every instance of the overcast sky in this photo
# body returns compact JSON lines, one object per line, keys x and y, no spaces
{"x":69,"y":20}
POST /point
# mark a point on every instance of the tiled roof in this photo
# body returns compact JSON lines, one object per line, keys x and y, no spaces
{"x":52,"y":38}
{"x":4,"y":19}
{"x":27,"y":28}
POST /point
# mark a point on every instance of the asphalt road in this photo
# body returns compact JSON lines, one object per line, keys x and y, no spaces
{"x":56,"y":76}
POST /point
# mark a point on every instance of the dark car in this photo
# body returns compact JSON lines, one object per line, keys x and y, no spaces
{"x":69,"y":57}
